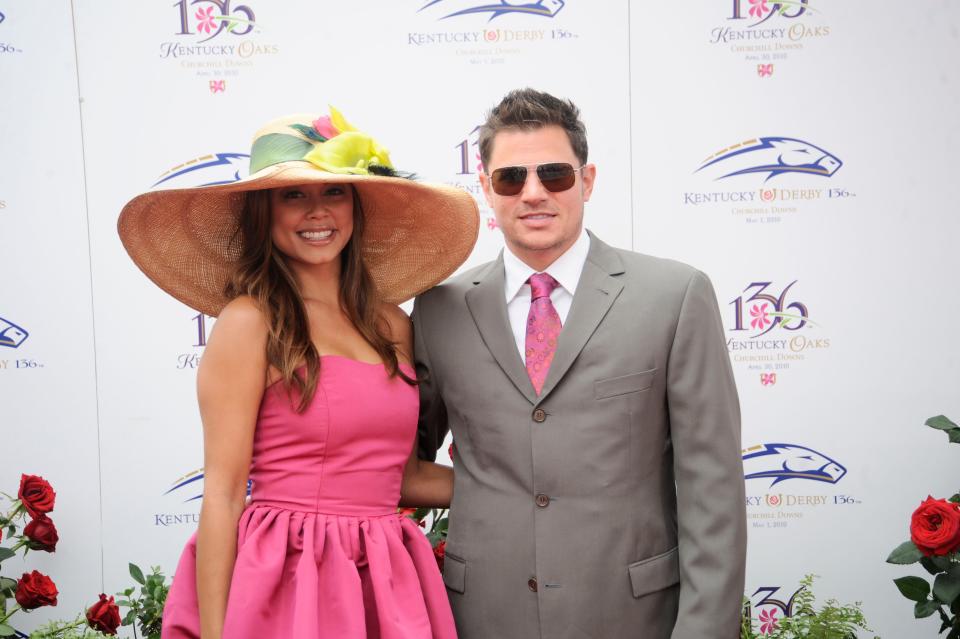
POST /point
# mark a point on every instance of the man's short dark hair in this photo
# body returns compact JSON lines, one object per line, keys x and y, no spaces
{"x":527,"y":110}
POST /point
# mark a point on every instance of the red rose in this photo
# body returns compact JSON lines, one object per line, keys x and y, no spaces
{"x":935,"y":527}
{"x":35,"y":590}
{"x":42,"y":534}
{"x":104,"y":616}
{"x":36,"y":494}
{"x":440,"y":551}
{"x":410,"y":512}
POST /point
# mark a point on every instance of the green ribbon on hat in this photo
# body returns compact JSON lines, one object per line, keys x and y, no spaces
{"x":349,"y":152}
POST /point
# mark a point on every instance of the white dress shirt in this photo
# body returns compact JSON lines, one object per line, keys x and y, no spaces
{"x":566,"y":269}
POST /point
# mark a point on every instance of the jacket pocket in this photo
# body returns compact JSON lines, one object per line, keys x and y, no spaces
{"x":655,"y":573}
{"x":454,"y":572}
{"x":624,"y":384}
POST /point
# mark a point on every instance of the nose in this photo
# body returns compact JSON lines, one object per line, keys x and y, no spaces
{"x":317,"y":209}
{"x":533,"y":189}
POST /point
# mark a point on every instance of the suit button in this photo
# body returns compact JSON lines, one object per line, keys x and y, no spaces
{"x":542,"y":500}
{"x":539,"y":415}
{"x":532,"y":584}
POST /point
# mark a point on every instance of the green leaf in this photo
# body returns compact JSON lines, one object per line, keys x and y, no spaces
{"x":925,"y":608}
{"x":905,"y":553}
{"x":954,"y":435}
{"x":6,"y":553}
{"x":955,"y":499}
{"x":940,"y":423}
{"x":930,"y":566}
{"x":946,"y":587}
{"x":941,"y":564}
{"x":129,"y":618}
{"x":6,"y":631}
{"x":913,"y":588}
{"x":137,"y":574}
{"x":421,"y":513}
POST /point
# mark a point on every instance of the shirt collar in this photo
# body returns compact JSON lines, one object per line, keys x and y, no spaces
{"x":566,"y":269}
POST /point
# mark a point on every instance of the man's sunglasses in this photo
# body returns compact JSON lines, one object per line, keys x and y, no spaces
{"x":554,"y":176}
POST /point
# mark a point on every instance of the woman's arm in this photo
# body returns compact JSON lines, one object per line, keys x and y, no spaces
{"x":230,"y":383}
{"x":424,"y":483}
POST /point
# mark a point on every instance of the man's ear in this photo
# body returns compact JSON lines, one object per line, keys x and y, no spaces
{"x":485,"y":184}
{"x":587,"y":176}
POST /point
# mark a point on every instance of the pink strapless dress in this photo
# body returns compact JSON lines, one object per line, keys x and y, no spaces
{"x":321,"y":550}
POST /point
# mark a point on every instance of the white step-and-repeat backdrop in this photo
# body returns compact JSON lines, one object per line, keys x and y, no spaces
{"x":802,"y":153}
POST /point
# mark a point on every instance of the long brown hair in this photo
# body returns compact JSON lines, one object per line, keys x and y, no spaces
{"x":262,"y":273}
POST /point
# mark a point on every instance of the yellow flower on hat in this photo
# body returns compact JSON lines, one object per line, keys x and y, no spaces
{"x":349,"y":153}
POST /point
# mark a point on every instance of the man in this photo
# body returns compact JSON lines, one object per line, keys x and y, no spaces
{"x":598,"y":479}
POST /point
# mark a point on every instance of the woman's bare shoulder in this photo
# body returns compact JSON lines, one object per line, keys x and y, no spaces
{"x":241,"y":327}
{"x":243,"y":314}
{"x":400,"y":328}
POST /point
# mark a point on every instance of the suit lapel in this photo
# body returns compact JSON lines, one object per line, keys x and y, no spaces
{"x":597,"y":290}
{"x":488,"y":307}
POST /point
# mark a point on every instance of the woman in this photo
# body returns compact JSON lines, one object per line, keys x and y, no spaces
{"x":306,"y":387}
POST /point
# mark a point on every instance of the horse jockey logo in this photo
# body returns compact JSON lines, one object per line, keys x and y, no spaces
{"x":207,"y":170}
{"x":772,"y":156}
{"x":781,"y":462}
{"x":543,"y":8}
{"x":11,"y":335}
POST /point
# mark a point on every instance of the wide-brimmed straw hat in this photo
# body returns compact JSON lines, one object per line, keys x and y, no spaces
{"x":416,"y":234}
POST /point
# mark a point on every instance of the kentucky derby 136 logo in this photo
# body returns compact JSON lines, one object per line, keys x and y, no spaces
{"x":800,"y":466}
{"x":12,"y":337}
{"x":762,"y":32}
{"x":763,"y":179}
{"x":187,"y":489}
{"x":206,"y":170}
{"x":769,"y":330}
{"x":772,"y":157}
{"x":782,"y":462}
{"x":7,"y":47}
{"x":520,"y":25}
{"x":542,"y":8}
{"x":215,"y":39}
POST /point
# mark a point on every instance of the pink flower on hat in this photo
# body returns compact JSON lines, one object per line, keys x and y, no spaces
{"x":324,"y":127}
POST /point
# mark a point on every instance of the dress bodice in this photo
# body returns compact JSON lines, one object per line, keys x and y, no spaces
{"x":346,"y":452}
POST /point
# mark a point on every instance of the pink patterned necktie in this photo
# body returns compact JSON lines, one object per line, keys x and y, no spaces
{"x":543,"y":329}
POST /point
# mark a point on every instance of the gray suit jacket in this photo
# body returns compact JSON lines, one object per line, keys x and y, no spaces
{"x":612,"y":505}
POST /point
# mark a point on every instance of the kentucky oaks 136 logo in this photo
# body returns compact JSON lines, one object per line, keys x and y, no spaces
{"x":790,"y":467}
{"x":466,"y":160}
{"x":767,"y":32}
{"x":768,"y":607}
{"x":491,"y":32}
{"x":770,"y":331}
{"x":764,"y":179}
{"x":215,"y":39}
